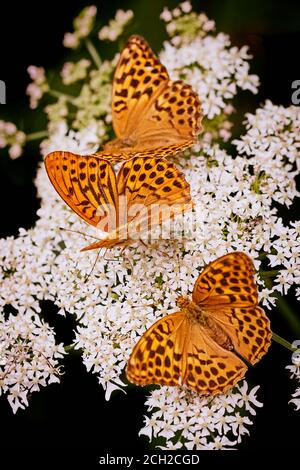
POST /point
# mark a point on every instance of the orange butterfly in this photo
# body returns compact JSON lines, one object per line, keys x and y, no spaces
{"x":209,"y":342}
{"x":145,"y":192}
{"x":151,"y":114}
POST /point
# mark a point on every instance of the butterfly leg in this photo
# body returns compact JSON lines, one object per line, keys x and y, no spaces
{"x":78,"y":232}
{"x":93,"y":267}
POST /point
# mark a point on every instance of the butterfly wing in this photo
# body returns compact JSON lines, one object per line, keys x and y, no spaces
{"x":138,"y":80}
{"x":87,"y":184}
{"x":226,"y":291}
{"x":173,"y":119}
{"x":154,"y":190}
{"x":228,"y":280}
{"x":175,"y":351}
{"x":157,"y":357}
{"x":210,"y":369}
{"x":148,"y":109}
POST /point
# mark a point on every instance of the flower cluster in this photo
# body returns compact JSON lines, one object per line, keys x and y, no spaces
{"x":72,"y":72}
{"x":215,"y":70}
{"x":183,"y":25}
{"x":294,"y":369}
{"x":83,"y":25}
{"x":182,"y":419}
{"x":12,"y":138}
{"x":38,"y":87}
{"x":125,"y":295}
{"x":28,"y":353}
{"x":116,"y":26}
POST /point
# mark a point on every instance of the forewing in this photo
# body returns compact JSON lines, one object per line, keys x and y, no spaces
{"x":87,"y":184}
{"x":158,"y":355}
{"x":138,"y":80}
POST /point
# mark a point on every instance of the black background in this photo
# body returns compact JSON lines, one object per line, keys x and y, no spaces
{"x":73,"y":417}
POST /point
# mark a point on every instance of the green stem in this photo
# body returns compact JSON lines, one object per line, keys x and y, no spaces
{"x":289,"y":314}
{"x":283,"y":307}
{"x":271,"y":273}
{"x":93,"y":53}
{"x":59,"y":94}
{"x":282,"y":341}
{"x":71,"y":350}
{"x":37,"y":135}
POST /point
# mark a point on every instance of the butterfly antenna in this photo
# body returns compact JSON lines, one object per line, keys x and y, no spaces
{"x":179,"y":267}
{"x":93,"y":267}
{"x":143,"y":305}
{"x":78,"y":232}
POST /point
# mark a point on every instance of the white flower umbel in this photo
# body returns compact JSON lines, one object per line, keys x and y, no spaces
{"x":181,"y":419}
{"x":83,"y":25}
{"x":13,"y":138}
{"x":214,"y":69}
{"x":29,"y":357}
{"x":294,"y":369}
{"x":116,"y":26}
{"x":38,"y":87}
{"x":126,"y":293}
{"x":84,"y":142}
{"x":236,"y":199}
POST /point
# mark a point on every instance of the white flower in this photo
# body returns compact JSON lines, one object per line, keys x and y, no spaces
{"x":12,"y":138}
{"x":166,"y":15}
{"x":213,"y":68}
{"x":296,"y":399}
{"x":178,"y":414}
{"x":295,"y":373}
{"x":116,"y":26}
{"x":83,"y":25}
{"x":39,"y":85}
{"x":249,"y":399}
{"x":186,"y":7}
{"x":29,"y":357}
{"x":82,"y":142}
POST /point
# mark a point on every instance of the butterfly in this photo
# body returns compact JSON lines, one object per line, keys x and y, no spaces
{"x":145,"y":192}
{"x":151,"y":114}
{"x":208,"y":343}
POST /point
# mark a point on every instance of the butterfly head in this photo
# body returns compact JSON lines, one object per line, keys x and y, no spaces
{"x":182,"y":302}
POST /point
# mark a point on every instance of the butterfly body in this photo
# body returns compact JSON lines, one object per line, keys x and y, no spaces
{"x":207,"y":344}
{"x":198,"y":316}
